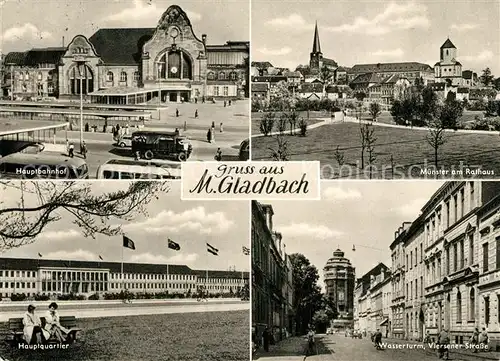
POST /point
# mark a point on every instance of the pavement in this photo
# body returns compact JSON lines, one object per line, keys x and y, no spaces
{"x":337,"y":347}
{"x":135,"y":308}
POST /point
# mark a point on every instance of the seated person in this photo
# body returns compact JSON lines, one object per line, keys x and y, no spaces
{"x":33,"y":332}
{"x":53,"y":326}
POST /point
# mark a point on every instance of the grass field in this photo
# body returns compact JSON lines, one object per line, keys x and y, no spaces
{"x":386,"y":117}
{"x":409,"y":149}
{"x":214,"y":336}
{"x":313,"y":118}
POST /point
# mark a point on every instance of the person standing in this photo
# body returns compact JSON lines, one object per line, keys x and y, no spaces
{"x":443,"y":342}
{"x":265,"y":339}
{"x":218,"y":155}
{"x":196,"y":113}
{"x":221,"y":129}
{"x":67,"y":146}
{"x":474,"y":340}
{"x":209,"y":135}
{"x":310,"y":342}
{"x":177,"y":112}
{"x":71,"y":150}
{"x":84,"y":150}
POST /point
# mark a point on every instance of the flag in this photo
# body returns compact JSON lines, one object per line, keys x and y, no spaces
{"x":100,"y":258}
{"x":39,"y":254}
{"x":211,"y":249}
{"x":173,"y":245}
{"x":128,"y":243}
{"x":246,"y":251}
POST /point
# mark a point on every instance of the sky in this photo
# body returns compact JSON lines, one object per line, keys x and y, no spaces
{"x":223,"y":224}
{"x":355,"y":32}
{"x":364,"y":214}
{"x":27,"y":24}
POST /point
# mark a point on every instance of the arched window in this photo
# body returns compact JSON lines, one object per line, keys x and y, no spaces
{"x":222,"y":76}
{"x":26,"y":76}
{"x":174,"y":65}
{"x":211,"y":75}
{"x":137,"y":76}
{"x":123,"y":77}
{"x":233,"y":76}
{"x":110,"y":76}
{"x":81,"y":74}
{"x":472,"y":302}
{"x":39,"y":76}
{"x":459,"y":307}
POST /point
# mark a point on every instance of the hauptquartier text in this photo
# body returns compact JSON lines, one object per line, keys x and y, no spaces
{"x":240,"y":185}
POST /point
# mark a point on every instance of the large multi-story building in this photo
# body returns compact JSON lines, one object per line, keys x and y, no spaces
{"x":339,"y":276}
{"x":408,"y":70}
{"x":398,"y":327}
{"x":270,"y":276}
{"x":453,"y":246}
{"x":134,"y":65}
{"x":57,"y":277}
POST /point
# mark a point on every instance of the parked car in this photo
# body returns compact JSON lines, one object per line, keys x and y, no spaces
{"x":124,"y":141}
{"x":244,"y":150}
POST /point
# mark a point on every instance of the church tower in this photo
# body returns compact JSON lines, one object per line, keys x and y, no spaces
{"x":316,"y":58}
{"x":448,"y":52}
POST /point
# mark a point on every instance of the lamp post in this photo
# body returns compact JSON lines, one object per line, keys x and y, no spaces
{"x":160,"y":67}
{"x":11,"y":81}
{"x":80,"y":63}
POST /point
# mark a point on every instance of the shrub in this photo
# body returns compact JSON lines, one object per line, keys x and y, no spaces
{"x":94,"y":297}
{"x":303,"y":126}
{"x":42,"y":297}
{"x":267,"y":123}
{"x":18,"y":297}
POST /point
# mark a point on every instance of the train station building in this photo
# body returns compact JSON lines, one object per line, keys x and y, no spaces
{"x":133,"y":66}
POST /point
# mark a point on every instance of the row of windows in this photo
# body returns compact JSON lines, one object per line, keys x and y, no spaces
{"x":222,"y":76}
{"x":123,"y":76}
{"x":17,"y":274}
{"x":217,"y":92}
{"x":17,"y":284}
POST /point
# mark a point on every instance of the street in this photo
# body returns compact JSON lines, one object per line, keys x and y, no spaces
{"x":337,"y":347}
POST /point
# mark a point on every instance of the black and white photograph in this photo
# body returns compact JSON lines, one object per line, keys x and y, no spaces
{"x":378,"y":271}
{"x":122,"y":89}
{"x":121,"y":271}
{"x":378,"y":89}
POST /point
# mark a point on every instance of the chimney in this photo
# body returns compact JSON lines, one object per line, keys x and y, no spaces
{"x":204,"y":38}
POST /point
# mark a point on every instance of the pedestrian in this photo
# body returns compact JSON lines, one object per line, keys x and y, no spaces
{"x":86,"y":127}
{"x":218,"y":155}
{"x":265,"y":339}
{"x":483,"y":340}
{"x":203,"y":100}
{"x":209,"y":136}
{"x":104,"y":128}
{"x":310,"y":342}
{"x":177,"y":112}
{"x":474,"y":340}
{"x":71,"y":151}
{"x":224,"y":103}
{"x":196,"y":113}
{"x":137,"y":155}
{"x":177,"y":132}
{"x":196,"y":100}
{"x":229,"y":102}
{"x":221,"y":129}
{"x":126,"y":129}
{"x":443,"y":342}
{"x":84,"y":150}
{"x":67,"y":146}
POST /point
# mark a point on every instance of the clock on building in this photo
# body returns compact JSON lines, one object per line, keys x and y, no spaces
{"x":173,"y":70}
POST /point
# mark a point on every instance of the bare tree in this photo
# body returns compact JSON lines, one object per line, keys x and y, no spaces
{"x":40,"y":204}
{"x":436,"y":136}
{"x":370,"y":141}
{"x":267,"y":123}
{"x":339,"y":156}
{"x":293,"y":117}
{"x":281,"y":152}
{"x":282,"y":122}
{"x":363,"y":145}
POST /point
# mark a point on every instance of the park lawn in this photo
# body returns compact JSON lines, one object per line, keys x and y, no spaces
{"x":409,"y":149}
{"x":314,"y":117}
{"x":211,"y":336}
{"x":386,"y":117}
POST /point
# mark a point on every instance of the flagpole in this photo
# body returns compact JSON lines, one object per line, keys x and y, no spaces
{"x":121,"y":276}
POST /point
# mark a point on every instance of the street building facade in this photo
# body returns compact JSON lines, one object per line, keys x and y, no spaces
{"x":133,"y":65}
{"x":271,"y":274}
{"x":339,"y":276}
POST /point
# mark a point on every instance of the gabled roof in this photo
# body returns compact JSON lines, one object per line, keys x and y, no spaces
{"x":260,"y":87}
{"x":262,"y":64}
{"x":121,"y":46}
{"x":311,"y":88}
{"x":35,"y":56}
{"x":387,"y":67}
{"x":367,"y":78}
{"x":448,"y":45}
{"x":269,"y":79}
{"x":330,"y":62}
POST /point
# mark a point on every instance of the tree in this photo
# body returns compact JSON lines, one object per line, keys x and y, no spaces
{"x":450,"y":112}
{"x":41,"y":204}
{"x":325,"y":75}
{"x":293,"y":117}
{"x":280,"y":154}
{"x":436,"y":136}
{"x":307,"y":294}
{"x":496,"y":84}
{"x":303,"y":127}
{"x":282,"y":122}
{"x":429,"y":105}
{"x":375,"y":110}
{"x":282,"y":98}
{"x":360,"y":96}
{"x":368,"y":144}
{"x":492,"y":108}
{"x":486,"y":78}
{"x":339,"y":156}
{"x":267,"y":123}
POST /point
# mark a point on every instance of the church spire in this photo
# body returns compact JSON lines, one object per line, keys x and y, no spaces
{"x":316,"y":47}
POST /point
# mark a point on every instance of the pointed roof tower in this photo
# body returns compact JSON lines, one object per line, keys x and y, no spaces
{"x":316,"y":47}
{"x":448,"y":45}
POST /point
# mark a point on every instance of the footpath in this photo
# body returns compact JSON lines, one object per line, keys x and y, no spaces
{"x":291,"y":349}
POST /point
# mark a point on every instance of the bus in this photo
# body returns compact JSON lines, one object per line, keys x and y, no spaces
{"x":138,"y":169}
{"x":161,"y":144}
{"x":42,"y":165}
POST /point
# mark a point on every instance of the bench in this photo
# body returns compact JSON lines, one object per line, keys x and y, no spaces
{"x":16,"y":327}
